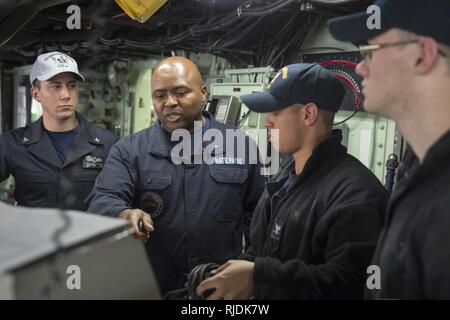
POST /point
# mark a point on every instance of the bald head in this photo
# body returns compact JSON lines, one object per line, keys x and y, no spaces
{"x":178,"y":93}
{"x":182,"y":66}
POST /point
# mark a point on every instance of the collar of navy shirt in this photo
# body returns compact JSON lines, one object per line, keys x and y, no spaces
{"x":435,"y":160}
{"x":160,"y":144}
{"x":326,"y":149}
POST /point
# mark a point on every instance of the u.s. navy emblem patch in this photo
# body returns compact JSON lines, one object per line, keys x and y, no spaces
{"x":152,"y":203}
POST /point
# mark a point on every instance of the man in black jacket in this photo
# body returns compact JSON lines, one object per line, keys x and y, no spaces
{"x":315,"y":228}
{"x":406,"y":71}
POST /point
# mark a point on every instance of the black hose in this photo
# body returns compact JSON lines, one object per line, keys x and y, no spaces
{"x":334,"y":2}
{"x":268,"y":9}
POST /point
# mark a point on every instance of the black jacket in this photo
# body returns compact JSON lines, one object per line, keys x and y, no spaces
{"x":41,"y":180}
{"x":315,"y":239}
{"x":413,"y":252}
{"x":200,"y":211}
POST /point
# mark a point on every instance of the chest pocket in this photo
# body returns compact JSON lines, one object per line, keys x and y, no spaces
{"x":228,"y":191}
{"x":33,"y":189}
{"x":154,"y":196}
{"x":83,"y":184}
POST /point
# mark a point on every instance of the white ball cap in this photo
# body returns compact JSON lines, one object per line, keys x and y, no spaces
{"x":50,"y":64}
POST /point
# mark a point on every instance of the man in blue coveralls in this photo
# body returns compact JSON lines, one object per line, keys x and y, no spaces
{"x":197,"y":213}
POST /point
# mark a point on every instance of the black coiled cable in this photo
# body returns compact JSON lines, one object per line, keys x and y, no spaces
{"x":194,"y":278}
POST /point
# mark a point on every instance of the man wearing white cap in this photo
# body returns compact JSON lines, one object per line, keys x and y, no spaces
{"x":56,"y":159}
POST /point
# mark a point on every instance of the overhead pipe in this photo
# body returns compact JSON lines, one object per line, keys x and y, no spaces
{"x":334,"y":2}
{"x":8,"y":6}
{"x":267,"y":9}
{"x":19,"y":18}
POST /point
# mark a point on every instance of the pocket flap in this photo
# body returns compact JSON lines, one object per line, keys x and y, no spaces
{"x":86,"y":176}
{"x":33,"y":177}
{"x":157,"y":181}
{"x":229,"y":174}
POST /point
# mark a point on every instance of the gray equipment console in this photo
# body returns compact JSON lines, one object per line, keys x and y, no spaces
{"x":96,"y":257}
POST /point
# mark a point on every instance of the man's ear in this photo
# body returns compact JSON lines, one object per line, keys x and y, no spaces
{"x":310,"y":114}
{"x":204,"y":91}
{"x":429,"y":55}
{"x":35,"y":94}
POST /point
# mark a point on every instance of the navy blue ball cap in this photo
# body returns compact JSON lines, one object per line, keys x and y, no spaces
{"x":300,"y":83}
{"x":423,"y":17}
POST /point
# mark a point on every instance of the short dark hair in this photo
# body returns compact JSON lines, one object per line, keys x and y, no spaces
{"x":446,"y":50}
{"x":326,"y":115}
{"x":408,"y":35}
{"x":327,"y":118}
{"x":37,"y":83}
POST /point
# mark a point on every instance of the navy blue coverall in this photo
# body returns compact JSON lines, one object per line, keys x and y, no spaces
{"x":41,"y":179}
{"x":199,"y":211}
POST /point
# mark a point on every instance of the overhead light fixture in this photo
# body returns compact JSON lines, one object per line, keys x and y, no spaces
{"x":140,"y":10}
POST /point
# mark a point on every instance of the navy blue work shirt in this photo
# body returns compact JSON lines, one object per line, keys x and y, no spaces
{"x":200,"y":211}
{"x":41,"y":178}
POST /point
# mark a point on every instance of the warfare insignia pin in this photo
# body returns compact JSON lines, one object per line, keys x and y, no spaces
{"x":92,"y":162}
{"x":276,"y":231}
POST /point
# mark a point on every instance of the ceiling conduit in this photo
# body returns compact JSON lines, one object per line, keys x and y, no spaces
{"x":19,"y":18}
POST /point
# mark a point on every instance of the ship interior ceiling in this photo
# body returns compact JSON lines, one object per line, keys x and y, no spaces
{"x":223,"y":28}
